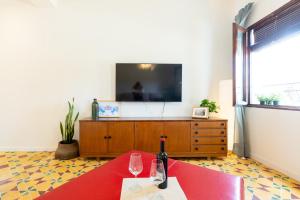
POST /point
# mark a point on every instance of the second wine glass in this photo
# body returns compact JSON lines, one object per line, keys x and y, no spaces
{"x":157,"y":172}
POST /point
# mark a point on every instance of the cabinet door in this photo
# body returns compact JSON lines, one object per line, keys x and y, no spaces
{"x":92,"y":139}
{"x":178,"y":136}
{"x":121,"y":137}
{"x":147,"y":136}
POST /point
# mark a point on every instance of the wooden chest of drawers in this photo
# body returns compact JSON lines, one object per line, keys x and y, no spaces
{"x":209,"y":137}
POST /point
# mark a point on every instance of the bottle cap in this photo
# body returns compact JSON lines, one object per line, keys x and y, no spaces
{"x":95,"y":99}
{"x":162,"y":139}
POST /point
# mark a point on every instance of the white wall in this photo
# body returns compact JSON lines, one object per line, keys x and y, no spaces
{"x":273,"y":134}
{"x":51,"y":54}
{"x":226,"y":109}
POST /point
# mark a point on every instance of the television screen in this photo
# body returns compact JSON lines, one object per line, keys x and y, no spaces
{"x":148,"y":82}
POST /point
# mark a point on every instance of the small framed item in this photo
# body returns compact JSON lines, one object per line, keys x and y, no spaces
{"x":200,"y":112}
{"x":108,"y":109}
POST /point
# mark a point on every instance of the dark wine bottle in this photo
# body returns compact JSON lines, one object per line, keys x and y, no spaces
{"x":162,"y":155}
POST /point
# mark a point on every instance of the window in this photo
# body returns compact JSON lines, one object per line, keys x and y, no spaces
{"x":271,"y":68}
{"x":275,"y":73}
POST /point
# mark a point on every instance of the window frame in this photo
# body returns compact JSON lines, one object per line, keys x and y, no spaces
{"x":236,"y":30}
{"x":247,"y":59}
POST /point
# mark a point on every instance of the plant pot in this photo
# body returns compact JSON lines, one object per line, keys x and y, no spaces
{"x":67,"y":151}
{"x":262,"y":102}
{"x":212,"y":115}
{"x":275,"y":103}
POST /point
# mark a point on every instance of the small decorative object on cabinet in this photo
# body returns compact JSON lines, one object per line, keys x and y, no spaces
{"x":211,"y":105}
{"x":184,"y":136}
{"x":95,"y":109}
{"x":108,"y":109}
{"x":201,"y":112}
{"x":68,"y":148}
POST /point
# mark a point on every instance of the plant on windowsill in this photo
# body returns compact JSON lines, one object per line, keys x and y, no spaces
{"x":275,"y":99}
{"x":68,"y":148}
{"x":211,"y":105}
{"x":262,"y":99}
{"x":269,"y":100}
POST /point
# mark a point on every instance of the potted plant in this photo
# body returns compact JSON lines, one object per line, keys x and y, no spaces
{"x":269,"y":100}
{"x":211,"y":105}
{"x":68,"y":148}
{"x":275,"y":99}
{"x":262,"y":99}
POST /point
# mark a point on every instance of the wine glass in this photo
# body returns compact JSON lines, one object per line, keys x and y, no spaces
{"x":157,"y":176}
{"x":135,"y":167}
{"x":157,"y":172}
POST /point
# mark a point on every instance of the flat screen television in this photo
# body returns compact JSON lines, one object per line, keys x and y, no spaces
{"x":148,"y":82}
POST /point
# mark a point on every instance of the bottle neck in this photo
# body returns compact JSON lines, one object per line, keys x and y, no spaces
{"x":162,"y":146}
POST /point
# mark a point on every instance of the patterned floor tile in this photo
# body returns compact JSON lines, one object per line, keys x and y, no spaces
{"x":261,"y":183}
{"x":27,"y":175}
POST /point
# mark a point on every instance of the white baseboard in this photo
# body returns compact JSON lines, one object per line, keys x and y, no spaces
{"x":8,"y":149}
{"x":268,"y":163}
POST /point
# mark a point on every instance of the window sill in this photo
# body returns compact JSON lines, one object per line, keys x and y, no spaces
{"x":293,"y":108}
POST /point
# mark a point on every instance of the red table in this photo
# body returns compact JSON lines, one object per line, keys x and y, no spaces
{"x":105,"y":182}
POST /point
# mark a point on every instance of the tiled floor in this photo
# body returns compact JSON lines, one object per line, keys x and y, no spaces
{"x":26,"y":175}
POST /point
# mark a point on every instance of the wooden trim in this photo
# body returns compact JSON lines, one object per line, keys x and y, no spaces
{"x":138,"y":119}
{"x":291,"y":108}
{"x":248,"y":62}
{"x":245,"y":67}
{"x":271,"y":19}
{"x":237,"y":29}
{"x":171,"y":155}
{"x":234,"y":47}
{"x":266,"y":19}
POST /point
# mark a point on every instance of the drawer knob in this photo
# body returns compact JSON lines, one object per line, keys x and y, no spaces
{"x":196,"y":141}
{"x":196,"y":124}
{"x":196,"y":132}
{"x":222,"y":132}
{"x":109,"y":137}
{"x":222,"y":140}
{"x":196,"y":148}
{"x":222,"y":124}
{"x":223,"y":148}
{"x":105,"y":137}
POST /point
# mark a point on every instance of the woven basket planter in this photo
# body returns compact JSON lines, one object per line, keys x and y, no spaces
{"x":67,"y":151}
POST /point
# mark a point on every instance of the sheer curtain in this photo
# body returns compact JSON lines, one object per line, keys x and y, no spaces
{"x":240,"y":99}
{"x":240,"y":135}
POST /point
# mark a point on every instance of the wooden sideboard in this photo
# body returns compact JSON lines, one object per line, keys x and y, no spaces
{"x":185,"y":137}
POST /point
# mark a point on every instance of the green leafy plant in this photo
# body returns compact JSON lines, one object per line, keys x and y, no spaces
{"x":67,"y":131}
{"x":269,"y":100}
{"x":211,"y":105}
{"x":275,"y":97}
{"x":262,"y":98}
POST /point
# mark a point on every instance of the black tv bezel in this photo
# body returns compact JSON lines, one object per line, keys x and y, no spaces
{"x":148,"y":100}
